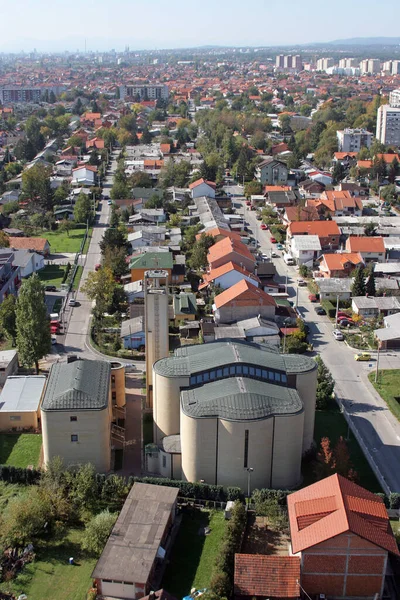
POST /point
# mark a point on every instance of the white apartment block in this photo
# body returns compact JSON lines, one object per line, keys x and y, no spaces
{"x":145,"y":92}
{"x":288,"y":62}
{"x":352,"y":140}
{"x":394,"y":98}
{"x":370,"y":65}
{"x":388,"y":125}
{"x":348,"y":63}
{"x":324,"y":63}
{"x":279,"y":61}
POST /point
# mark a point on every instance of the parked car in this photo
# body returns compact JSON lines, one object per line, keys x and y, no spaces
{"x":338,"y":335}
{"x":248,"y":203}
{"x":346,"y":323}
{"x":263,"y":226}
{"x":97,"y":267}
{"x":53,"y":339}
{"x":343,"y":314}
{"x":109,"y":202}
{"x":301,"y":282}
{"x":272,"y":240}
{"x":320,"y":311}
{"x":312,"y":297}
{"x":346,"y":320}
{"x":50,"y":288}
{"x":72,"y":302}
{"x":280,"y":247}
{"x":362,"y":356}
{"x":274,"y":254}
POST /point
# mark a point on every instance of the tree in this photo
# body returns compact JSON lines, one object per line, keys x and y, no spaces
{"x":252,"y":188}
{"x":32,"y":323}
{"x":141,"y":179}
{"x":325,"y":385}
{"x":65,"y":226}
{"x":36,"y":186}
{"x":24,"y":150}
{"x":325,"y":460}
{"x":8,"y":318}
{"x":370,"y":287}
{"x":99,"y":287}
{"x":389,"y":193}
{"x":24,"y":519}
{"x":82,"y":208}
{"x":198,"y":258}
{"x":119,"y":191}
{"x":370,"y":229}
{"x":97,"y":531}
{"x":358,"y":287}
{"x":113,"y":238}
{"x":115,"y":260}
{"x":341,"y":460}
{"x":4,"y":240}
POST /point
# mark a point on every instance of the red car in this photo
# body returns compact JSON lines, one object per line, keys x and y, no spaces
{"x":312,"y":297}
{"x":342,"y":314}
{"x":273,"y":240}
{"x":248,"y":202}
{"x":345,"y":321}
{"x":263,"y":226}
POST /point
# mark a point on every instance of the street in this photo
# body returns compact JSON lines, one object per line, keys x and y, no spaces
{"x":376,"y":429}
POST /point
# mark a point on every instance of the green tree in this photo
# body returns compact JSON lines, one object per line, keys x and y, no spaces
{"x":24,"y":519}
{"x":8,"y":318}
{"x":252,"y":188}
{"x":65,"y":226}
{"x":113,"y":238}
{"x":370,"y":287}
{"x":115,"y":260}
{"x":99,"y":287}
{"x":370,"y":229}
{"x":389,"y":193}
{"x":141,"y":179}
{"x":198,"y":258}
{"x":119,"y":191}
{"x":32,"y":323}
{"x":36,"y":186}
{"x":4,"y":240}
{"x":325,"y":385}
{"x":358,"y":287}
{"x":82,"y":209}
{"x":97,"y":531}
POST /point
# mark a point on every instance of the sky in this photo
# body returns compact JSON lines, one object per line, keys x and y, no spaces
{"x":55,"y":25}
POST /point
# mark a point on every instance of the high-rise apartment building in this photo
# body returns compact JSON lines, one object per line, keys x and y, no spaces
{"x":348,"y":63}
{"x":370,"y":65}
{"x":324,"y":63}
{"x":394,"y":98}
{"x":279,"y":61}
{"x":145,"y":91}
{"x":388,"y":125}
{"x":352,"y":140}
{"x":296,"y":62}
{"x":395,"y":67}
{"x":288,"y":62}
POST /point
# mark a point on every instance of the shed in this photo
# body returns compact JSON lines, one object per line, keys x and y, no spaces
{"x":8,"y":364}
{"x":20,"y":402}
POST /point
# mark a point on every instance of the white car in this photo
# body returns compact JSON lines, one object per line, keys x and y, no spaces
{"x":53,"y":339}
{"x":72,"y":302}
{"x":338,"y":335}
{"x":301,"y":282}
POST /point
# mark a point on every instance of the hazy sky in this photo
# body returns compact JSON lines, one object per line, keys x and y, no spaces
{"x":144,"y":24}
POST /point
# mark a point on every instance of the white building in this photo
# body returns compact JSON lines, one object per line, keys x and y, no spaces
{"x":394,"y":96}
{"x":370,"y":65}
{"x":305,"y":248}
{"x":145,"y":92}
{"x":346,"y":63}
{"x":388,"y":125}
{"x":324,"y":63}
{"x":352,"y":140}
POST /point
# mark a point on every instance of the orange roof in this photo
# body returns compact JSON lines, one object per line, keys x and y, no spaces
{"x":200,"y":181}
{"x":340,"y":199}
{"x":267,"y":576}
{"x":222,"y":270}
{"x":165,"y":148}
{"x":90,"y":116}
{"x":389,"y":158}
{"x":341,"y":155}
{"x":225,"y":247}
{"x":364,"y":164}
{"x":155,"y":164}
{"x":276,"y":188}
{"x":215,"y":231}
{"x":337,"y":262}
{"x":365,"y":243}
{"x":28,"y":243}
{"x":320,"y":228}
{"x":244,"y":294}
{"x":334,"y":506}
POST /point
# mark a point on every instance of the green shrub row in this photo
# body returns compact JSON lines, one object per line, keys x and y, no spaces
{"x":66,"y":273}
{"x":329,"y":308}
{"x":200,"y":491}
{"x":11,"y":474}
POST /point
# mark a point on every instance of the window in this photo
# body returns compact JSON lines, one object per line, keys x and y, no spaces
{"x":283,"y":378}
{"x":193,"y":380}
{"x":206,"y":376}
{"x":15,"y":418}
{"x":238,"y":369}
{"x":265,"y":374}
{"x":246,"y":448}
{"x":74,"y":437}
{"x":164,"y":461}
{"x":212,"y":374}
{"x":232,"y":370}
{"x":277,"y":376}
{"x":226,"y":371}
{"x":219,"y":372}
{"x":258,"y":372}
{"x":271,"y":375}
{"x":245,"y":370}
{"x":114,"y":395}
{"x":73,"y":419}
{"x":199,"y":379}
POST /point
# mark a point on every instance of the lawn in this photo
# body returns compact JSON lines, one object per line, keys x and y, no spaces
{"x":332,"y":424}
{"x":77,"y":278}
{"x":193,"y":556}
{"x":50,"y":576}
{"x":52,"y":275}
{"x":388,"y":386}
{"x":20,"y":449}
{"x":62,"y":242}
{"x":395,"y":523}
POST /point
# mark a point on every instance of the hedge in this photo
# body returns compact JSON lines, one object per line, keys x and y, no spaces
{"x":329,"y":308}
{"x":11,"y":474}
{"x":201,"y":491}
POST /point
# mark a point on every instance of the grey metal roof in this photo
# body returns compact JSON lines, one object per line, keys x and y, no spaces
{"x":334,"y":284}
{"x":306,"y":242}
{"x":240,"y":399}
{"x":80,"y":385}
{"x":379,"y":302}
{"x":202,"y":357}
{"x":22,"y":393}
{"x":171,"y":444}
{"x":132,"y":326}
{"x":131,"y":549}
{"x":6,"y":356}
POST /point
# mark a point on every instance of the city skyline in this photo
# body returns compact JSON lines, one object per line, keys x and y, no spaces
{"x":99,"y":26}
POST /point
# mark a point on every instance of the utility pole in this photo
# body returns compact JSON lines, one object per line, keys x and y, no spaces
{"x":377,"y":363}
{"x":337,"y":310}
{"x":297,"y":296}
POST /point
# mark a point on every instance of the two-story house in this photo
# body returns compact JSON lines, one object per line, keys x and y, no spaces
{"x":10,"y":276}
{"x":339,"y":265}
{"x":327,"y":231}
{"x":272,"y":172}
{"x":372,"y":249}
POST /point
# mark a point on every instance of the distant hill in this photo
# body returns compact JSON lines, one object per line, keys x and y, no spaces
{"x":374,"y":41}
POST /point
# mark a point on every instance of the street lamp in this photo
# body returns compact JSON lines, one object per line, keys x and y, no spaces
{"x":249,"y":472}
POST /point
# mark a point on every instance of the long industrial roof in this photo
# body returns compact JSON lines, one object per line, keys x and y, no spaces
{"x":22,"y":393}
{"x":189,"y":360}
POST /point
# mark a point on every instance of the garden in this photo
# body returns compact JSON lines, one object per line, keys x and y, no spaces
{"x":66,"y":241}
{"x":20,"y":449}
{"x":387,"y":386}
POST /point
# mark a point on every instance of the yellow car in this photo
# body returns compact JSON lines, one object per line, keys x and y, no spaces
{"x":362,"y":356}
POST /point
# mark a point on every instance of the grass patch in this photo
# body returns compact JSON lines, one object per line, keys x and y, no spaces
{"x":8,"y":491}
{"x":50,"y":576}
{"x":193,"y":556}
{"x":88,"y":239}
{"x":60,"y":241}
{"x":332,"y":424}
{"x":20,"y":449}
{"x":77,"y":278}
{"x":52,"y":275}
{"x":395,"y":524}
{"x":388,"y":386}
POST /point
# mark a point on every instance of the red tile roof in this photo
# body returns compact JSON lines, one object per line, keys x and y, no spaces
{"x":244,"y":293}
{"x":227,"y":245}
{"x":320,"y":228}
{"x":28,"y":243}
{"x":388,"y":158}
{"x":218,"y":231}
{"x":334,"y":506}
{"x":267,"y":576}
{"x":341,"y":155}
{"x":337,"y":262}
{"x":364,"y":243}
{"x":222,"y":270}
{"x":200,"y":181}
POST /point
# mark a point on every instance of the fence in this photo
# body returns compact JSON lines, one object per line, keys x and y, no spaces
{"x":71,"y":275}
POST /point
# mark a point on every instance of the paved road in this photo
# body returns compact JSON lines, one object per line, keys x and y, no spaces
{"x":378,"y":429}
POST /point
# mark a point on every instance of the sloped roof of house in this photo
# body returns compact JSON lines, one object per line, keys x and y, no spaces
{"x":267,"y":576}
{"x":364,"y":243}
{"x":337,"y":262}
{"x":28,"y":243}
{"x":200,"y":181}
{"x":217,"y":231}
{"x":222,"y":270}
{"x":301,"y":213}
{"x":320,"y":228}
{"x":245,"y":294}
{"x":342,"y":155}
{"x":388,"y":158}
{"x":132,"y":326}
{"x":225,"y":247}
{"x":334,"y":506}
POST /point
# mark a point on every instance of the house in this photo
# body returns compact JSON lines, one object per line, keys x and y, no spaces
{"x":8,"y":364}
{"x":134,"y":290}
{"x":227,"y":275}
{"x":243,"y":300}
{"x":369,"y":306}
{"x":76,"y":414}
{"x":84,"y":175}
{"x":149,"y":215}
{"x":389,"y":336}
{"x":354,"y":188}
{"x":129,"y":566}
{"x":327,"y":231}
{"x":185,"y":307}
{"x":334,"y":287}
{"x":142,"y":262}
{"x":262,"y":576}
{"x":133,"y":333}
{"x":33,"y":244}
{"x":341,"y":203}
{"x":305,"y":248}
{"x":272,"y":172}
{"x":229,"y":250}
{"x":371,"y":249}
{"x":201,"y":187}
{"x":255,"y":329}
{"x":10,"y":276}
{"x":342,"y":536}
{"x":27,"y":261}
{"x":147,"y":236}
{"x":339,"y":265}
{"x":20,"y":401}
{"x":282,"y":199}
{"x":300,"y":213}
{"x":311,"y":188}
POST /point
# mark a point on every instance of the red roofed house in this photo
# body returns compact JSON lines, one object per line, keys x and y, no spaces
{"x":342,"y":203}
{"x":84,"y":175}
{"x":243,"y":301}
{"x":219,"y":234}
{"x":39,"y":245}
{"x":227,"y":275}
{"x":95,"y":143}
{"x":264,"y":576}
{"x":327,"y":231}
{"x":230,"y":250}
{"x":339,"y":265}
{"x":201,"y":187}
{"x":372,"y":249}
{"x":342,"y":535}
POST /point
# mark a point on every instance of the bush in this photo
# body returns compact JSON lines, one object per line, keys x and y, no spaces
{"x":266,"y":494}
{"x":97,"y":531}
{"x":19,"y":475}
{"x":201,"y":491}
{"x":394,"y":500}
{"x":66,"y":273}
{"x":329,"y":308}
